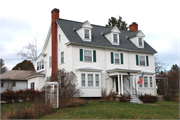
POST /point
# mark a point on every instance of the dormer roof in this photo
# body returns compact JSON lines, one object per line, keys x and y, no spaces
{"x":99,"y":40}
{"x":134,"y":34}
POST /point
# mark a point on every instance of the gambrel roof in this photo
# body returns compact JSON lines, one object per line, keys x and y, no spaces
{"x":98,"y":39}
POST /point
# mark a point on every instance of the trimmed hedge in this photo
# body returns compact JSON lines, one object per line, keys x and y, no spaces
{"x":148,"y":98}
{"x":24,"y":95}
{"x":125,"y":98}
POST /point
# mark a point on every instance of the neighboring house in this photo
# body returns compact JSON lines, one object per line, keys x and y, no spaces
{"x":15,"y":78}
{"x":101,"y":57}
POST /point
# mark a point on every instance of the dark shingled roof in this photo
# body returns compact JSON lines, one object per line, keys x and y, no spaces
{"x":67,"y":27}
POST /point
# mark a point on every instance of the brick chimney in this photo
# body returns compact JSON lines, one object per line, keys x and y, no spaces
{"x":133,"y":27}
{"x":55,"y":15}
{"x":19,"y":68}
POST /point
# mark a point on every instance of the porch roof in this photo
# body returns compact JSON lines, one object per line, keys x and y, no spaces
{"x":88,"y":69}
{"x":123,"y":70}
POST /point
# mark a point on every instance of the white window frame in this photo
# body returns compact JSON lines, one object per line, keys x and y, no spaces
{"x":59,"y":38}
{"x":40,"y":65}
{"x":86,"y":79}
{"x":150,"y":81}
{"x":50,"y":61}
{"x":84,"y":38}
{"x":90,"y":80}
{"x":87,"y":34}
{"x":97,"y":80}
{"x":119,"y":58}
{"x":32,"y":83}
{"x":62,"y":57}
{"x":141,"y":41}
{"x":116,"y":36}
{"x":146,"y":81}
{"x":91,"y":55}
{"x":144,"y":60}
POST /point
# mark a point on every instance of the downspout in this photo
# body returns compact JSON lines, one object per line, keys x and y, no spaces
{"x":105,"y":67}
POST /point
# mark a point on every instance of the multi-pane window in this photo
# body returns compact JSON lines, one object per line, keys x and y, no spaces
{"x":151,"y":82}
{"x":59,"y":38}
{"x":32,"y":85}
{"x":140,"y":85}
{"x":116,"y":58}
{"x":37,"y":65}
{"x":50,"y":62}
{"x":14,"y":83}
{"x":142,"y":60}
{"x":115,"y":39}
{"x":86,"y":33}
{"x":88,"y":55}
{"x":90,"y":80}
{"x":62,"y":57}
{"x":40,"y":65}
{"x":83,"y":79}
{"x":2,"y":84}
{"x":145,"y":81}
{"x":97,"y":80}
{"x":140,"y":42}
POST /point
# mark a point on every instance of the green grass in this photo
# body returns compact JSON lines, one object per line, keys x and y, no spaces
{"x":166,"y":103}
{"x":118,"y":110}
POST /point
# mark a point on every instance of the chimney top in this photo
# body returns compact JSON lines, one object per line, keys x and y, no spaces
{"x":55,"y":10}
{"x":133,"y":27}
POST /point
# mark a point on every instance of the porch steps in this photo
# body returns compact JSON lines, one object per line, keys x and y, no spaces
{"x":135,"y":99}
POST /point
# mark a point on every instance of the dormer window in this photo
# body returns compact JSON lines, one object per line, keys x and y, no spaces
{"x":115,"y":38}
{"x":140,"y":42}
{"x":86,"y":33}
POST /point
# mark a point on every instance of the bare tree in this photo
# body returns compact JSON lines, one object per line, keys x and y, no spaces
{"x":67,"y":86}
{"x":29,"y":51}
{"x":159,"y":66}
{"x":8,"y":85}
{"x":3,"y":68}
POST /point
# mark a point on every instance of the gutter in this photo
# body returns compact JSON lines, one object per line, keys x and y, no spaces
{"x":71,"y":43}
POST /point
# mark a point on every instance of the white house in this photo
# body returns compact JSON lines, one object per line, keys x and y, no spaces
{"x":101,"y":57}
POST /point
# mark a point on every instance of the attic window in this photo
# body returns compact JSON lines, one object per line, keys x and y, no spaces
{"x":140,"y":41}
{"x":87,"y":33}
{"x":115,"y":38}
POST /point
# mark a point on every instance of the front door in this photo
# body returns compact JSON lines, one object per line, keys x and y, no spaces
{"x":116,"y":79}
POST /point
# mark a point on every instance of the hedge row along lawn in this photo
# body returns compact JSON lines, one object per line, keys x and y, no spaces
{"x":118,"y":110}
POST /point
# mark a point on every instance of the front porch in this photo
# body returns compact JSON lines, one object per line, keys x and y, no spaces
{"x":125,"y":81}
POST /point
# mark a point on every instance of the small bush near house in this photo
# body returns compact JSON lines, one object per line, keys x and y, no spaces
{"x":75,"y":102}
{"x":148,"y":98}
{"x":125,"y":98}
{"x":110,"y":97}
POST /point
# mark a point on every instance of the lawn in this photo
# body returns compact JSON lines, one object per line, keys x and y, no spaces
{"x":111,"y":110}
{"x":118,"y":110}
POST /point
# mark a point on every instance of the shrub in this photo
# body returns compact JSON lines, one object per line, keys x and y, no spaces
{"x":125,"y":98}
{"x":110,"y":97}
{"x":67,"y":86}
{"x":26,"y":111}
{"x":148,"y":98}
{"x":15,"y":96}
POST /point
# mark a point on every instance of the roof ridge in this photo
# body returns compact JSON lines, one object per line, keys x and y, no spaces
{"x":91,"y":24}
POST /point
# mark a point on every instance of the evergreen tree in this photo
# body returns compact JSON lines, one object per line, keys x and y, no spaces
{"x":25,"y":65}
{"x":121,"y":25}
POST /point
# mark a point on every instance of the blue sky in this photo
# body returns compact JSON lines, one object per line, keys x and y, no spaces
{"x":20,"y":20}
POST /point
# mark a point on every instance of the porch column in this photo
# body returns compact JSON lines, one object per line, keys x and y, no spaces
{"x":136,"y":82}
{"x":133,"y":84}
{"x":122,"y":84}
{"x":118,"y":85}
